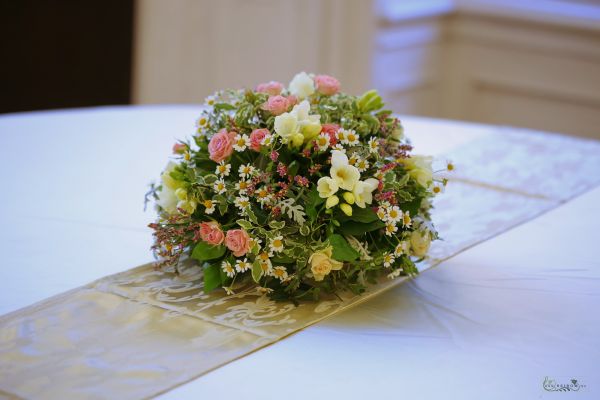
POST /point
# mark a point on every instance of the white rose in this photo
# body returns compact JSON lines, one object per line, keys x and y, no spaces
{"x":286,"y":125}
{"x":327,"y":187}
{"x":363,"y":192}
{"x":302,"y":85}
{"x":420,"y":242}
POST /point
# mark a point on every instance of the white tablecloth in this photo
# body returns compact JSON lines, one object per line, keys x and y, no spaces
{"x":492,"y":322}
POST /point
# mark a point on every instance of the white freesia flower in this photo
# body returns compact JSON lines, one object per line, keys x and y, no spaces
{"x":308,"y":125}
{"x":363,"y":192}
{"x":302,"y":85}
{"x":420,"y":242}
{"x":327,"y":187}
{"x":286,"y":125}
{"x":167,"y":199}
{"x":342,"y":172}
{"x":419,"y":168}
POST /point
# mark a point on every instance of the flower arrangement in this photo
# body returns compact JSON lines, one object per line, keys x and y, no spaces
{"x":302,"y":191}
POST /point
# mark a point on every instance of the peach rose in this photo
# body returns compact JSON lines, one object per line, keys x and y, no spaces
{"x":238,"y":241}
{"x":327,"y":85}
{"x":331,"y":130}
{"x":211,"y":233}
{"x":256,"y":138}
{"x":221,"y":145}
{"x":276,"y":105}
{"x":273,"y":88}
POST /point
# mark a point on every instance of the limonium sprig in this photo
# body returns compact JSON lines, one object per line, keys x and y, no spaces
{"x":302,"y":191}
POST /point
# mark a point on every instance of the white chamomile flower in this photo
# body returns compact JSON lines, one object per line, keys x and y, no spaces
{"x":394,"y":214}
{"x":351,"y":137}
{"x":450,"y":166}
{"x":394,"y":274}
{"x":390,"y":229}
{"x":385,"y":205}
{"x":254,"y":242}
{"x":202,"y":122}
{"x":401,"y":248}
{"x":373,"y":145}
{"x":242,"y":265}
{"x":388,"y":260}
{"x":280,"y":273}
{"x":210,"y":101}
{"x":353,"y":159}
{"x":322,"y":141}
{"x":264,"y":260}
{"x":362,"y":165}
{"x":406,"y":220}
{"x":219,"y":186}
{"x":210,"y":206}
{"x":381,"y":214}
{"x":246,"y":170}
{"x":223,"y":169}
{"x":242,"y":186}
{"x":341,"y":135}
{"x":339,"y":147}
{"x":241,"y":142}
{"x":228,"y":268}
{"x":241,"y":202}
{"x":276,"y":244}
{"x":438,"y":188}
{"x":267,"y":140}
{"x":263,"y":196}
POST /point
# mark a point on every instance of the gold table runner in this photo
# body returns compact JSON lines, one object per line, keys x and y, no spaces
{"x":142,"y":332}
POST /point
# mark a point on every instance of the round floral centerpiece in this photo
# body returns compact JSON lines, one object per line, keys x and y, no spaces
{"x":303,"y":191}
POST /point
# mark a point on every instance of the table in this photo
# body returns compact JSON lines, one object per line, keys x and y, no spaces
{"x":492,"y":322}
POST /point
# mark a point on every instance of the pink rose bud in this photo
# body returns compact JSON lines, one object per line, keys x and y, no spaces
{"x":276,"y":105}
{"x":327,"y":85}
{"x":221,"y":145}
{"x":256,"y":138}
{"x":292,"y":100}
{"x":238,"y":241}
{"x":179,"y":148}
{"x":272,"y":88}
{"x":211,"y":233}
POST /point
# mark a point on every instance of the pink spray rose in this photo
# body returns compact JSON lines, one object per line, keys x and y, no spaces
{"x":238,"y":241}
{"x":292,"y":100}
{"x":276,"y":105}
{"x":179,"y":148}
{"x":331,"y":130}
{"x":211,"y":233}
{"x":273,"y":88}
{"x":256,"y":137}
{"x":327,"y":85}
{"x":221,"y":145}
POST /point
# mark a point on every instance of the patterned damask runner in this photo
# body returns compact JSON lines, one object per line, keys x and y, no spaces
{"x":142,"y":332}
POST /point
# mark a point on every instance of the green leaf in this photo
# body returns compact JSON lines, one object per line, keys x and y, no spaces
{"x":256,"y":271}
{"x":223,"y":106}
{"x":342,"y":251}
{"x":364,"y":215}
{"x":305,"y":230}
{"x":282,"y":259}
{"x":244,"y":224}
{"x":212,"y":277}
{"x":277,"y":224}
{"x":293,"y":168}
{"x":251,"y":215}
{"x":357,"y":228}
{"x":204,"y":251}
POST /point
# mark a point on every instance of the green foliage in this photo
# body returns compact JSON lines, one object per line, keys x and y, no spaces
{"x":342,"y":251}
{"x":204,"y":252}
{"x":212,"y":277}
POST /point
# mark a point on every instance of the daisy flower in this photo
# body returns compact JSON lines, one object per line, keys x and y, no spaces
{"x":241,"y":202}
{"x":223,"y":169}
{"x":228,"y":268}
{"x":362,"y":165}
{"x":202,"y":122}
{"x":339,"y":147}
{"x":265,"y":263}
{"x":388,"y":260}
{"x":280,"y":273}
{"x":210,"y":206}
{"x":373,"y":145}
{"x":242,"y":265}
{"x":351,"y":137}
{"x":241,"y":142}
{"x":437,"y":188}
{"x":394,"y":214}
{"x":210,"y":100}
{"x":267,"y":140}
{"x":254,"y":242}
{"x":276,"y":244}
{"x":381,"y":213}
{"x":242,"y":186}
{"x":394,"y":274}
{"x":322,"y":141}
{"x":263,"y":195}
{"x":219,"y":186}
{"x":246,"y":170}
{"x":341,"y":135}
{"x":406,"y":221}
{"x":390,"y":229}
{"x":353,"y":159}
{"x":450,"y":165}
{"x":401,"y":248}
